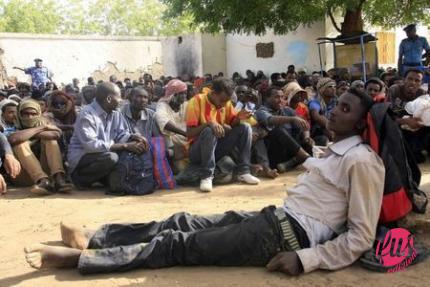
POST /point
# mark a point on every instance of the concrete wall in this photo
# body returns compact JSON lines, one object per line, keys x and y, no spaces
{"x":182,"y":55}
{"x":214,"y":53}
{"x":81,"y":56}
{"x":298,"y":48}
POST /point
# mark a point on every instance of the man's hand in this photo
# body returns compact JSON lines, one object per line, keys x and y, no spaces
{"x":413,"y":123}
{"x":52,"y":128}
{"x":255,"y":137}
{"x":135,"y":147}
{"x":217,"y":129}
{"x":12,"y":165}
{"x":3,"y":185}
{"x":227,"y":128}
{"x":309,"y":141}
{"x":301,"y":123}
{"x":140,"y":139}
{"x":286,"y":262}
{"x":244,"y":114}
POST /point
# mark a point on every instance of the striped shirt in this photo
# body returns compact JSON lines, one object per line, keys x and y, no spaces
{"x":201,"y":111}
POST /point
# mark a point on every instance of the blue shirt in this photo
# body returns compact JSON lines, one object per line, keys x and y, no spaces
{"x":412,"y":50}
{"x":95,"y":131}
{"x":5,"y":147}
{"x":264,"y":113}
{"x":145,"y":126}
{"x":8,"y":130}
{"x":38,"y":75}
{"x":318,"y":104}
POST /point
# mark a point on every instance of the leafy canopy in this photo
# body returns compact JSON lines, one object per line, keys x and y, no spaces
{"x":102,"y":17}
{"x":256,"y":16}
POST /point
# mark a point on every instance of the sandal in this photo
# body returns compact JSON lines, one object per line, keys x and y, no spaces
{"x":63,"y":187}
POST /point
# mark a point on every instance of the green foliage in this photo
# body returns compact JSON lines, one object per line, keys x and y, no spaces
{"x":102,"y":17}
{"x":390,"y":13}
{"x":281,"y":16}
{"x":36,"y":16}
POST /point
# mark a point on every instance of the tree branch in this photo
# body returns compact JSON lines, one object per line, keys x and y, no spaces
{"x":361,"y":4}
{"x":330,"y":14}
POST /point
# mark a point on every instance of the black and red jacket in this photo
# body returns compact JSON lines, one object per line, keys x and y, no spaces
{"x":402,"y":174}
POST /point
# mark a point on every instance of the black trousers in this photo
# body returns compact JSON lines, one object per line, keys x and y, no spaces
{"x":418,"y":141}
{"x":229,"y":239}
{"x":94,"y":167}
{"x":281,"y":146}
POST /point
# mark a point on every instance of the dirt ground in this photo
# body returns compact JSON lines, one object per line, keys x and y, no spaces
{"x":26,"y":219}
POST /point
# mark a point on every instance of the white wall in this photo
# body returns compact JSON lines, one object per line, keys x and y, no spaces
{"x":79,"y":56}
{"x":214,"y":54}
{"x":298,"y":48}
{"x":182,"y":56}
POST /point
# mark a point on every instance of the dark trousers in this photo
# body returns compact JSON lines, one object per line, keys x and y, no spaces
{"x":281,"y":146}
{"x":418,"y":141}
{"x":94,"y":167}
{"x":207,"y":149}
{"x":229,"y":239}
{"x":259,"y":153}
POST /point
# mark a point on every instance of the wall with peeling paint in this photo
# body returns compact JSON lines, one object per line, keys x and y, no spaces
{"x":182,"y":55}
{"x":81,"y":56}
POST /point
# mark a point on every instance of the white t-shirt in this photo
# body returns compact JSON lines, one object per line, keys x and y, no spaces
{"x":164,"y":114}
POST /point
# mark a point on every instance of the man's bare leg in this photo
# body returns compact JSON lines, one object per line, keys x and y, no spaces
{"x":75,"y":237}
{"x":43,"y":256}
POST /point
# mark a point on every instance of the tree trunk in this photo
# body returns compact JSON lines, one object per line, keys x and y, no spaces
{"x":352,"y":23}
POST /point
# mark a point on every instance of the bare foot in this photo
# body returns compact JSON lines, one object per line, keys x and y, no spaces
{"x":43,"y":256}
{"x":75,"y":237}
{"x":271,"y":173}
{"x":256,"y":169}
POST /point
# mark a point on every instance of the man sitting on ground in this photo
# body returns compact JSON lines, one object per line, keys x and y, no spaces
{"x":170,"y":117}
{"x":35,"y":137}
{"x":8,"y":163}
{"x":140,"y":119}
{"x":285,"y":132}
{"x":319,"y":108}
{"x":100,"y":131}
{"x":312,"y":231}
{"x":415,"y":133}
{"x":376,"y":89}
{"x":215,"y":130}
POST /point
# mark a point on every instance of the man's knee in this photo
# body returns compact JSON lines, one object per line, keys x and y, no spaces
{"x":207,"y":132}
{"x":109,"y":158}
{"x":48,"y":142}
{"x":244,"y":128}
{"x":22,"y":146}
{"x":207,"y":136}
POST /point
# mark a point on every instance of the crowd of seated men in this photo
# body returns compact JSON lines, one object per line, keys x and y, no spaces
{"x":248,"y":127}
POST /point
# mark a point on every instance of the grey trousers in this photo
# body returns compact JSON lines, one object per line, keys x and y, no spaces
{"x":94,"y":167}
{"x":207,"y":149}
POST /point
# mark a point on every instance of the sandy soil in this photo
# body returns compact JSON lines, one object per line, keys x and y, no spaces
{"x":26,"y":219}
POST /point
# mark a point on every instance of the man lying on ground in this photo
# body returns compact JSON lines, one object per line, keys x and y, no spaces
{"x":328,"y":220}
